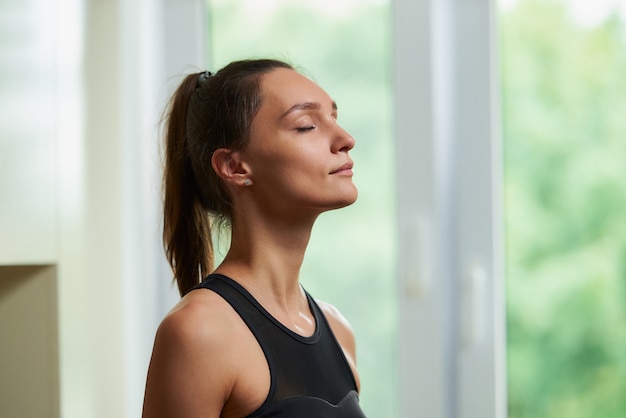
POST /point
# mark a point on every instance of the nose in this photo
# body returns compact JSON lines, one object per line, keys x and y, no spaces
{"x":342,"y":141}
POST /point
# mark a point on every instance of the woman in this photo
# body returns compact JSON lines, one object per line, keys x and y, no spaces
{"x":256,"y":145}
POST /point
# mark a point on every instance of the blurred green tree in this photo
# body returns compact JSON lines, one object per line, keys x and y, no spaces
{"x":564,"y":107}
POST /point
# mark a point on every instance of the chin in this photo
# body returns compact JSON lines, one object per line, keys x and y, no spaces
{"x":339,"y":199}
{"x":354,"y":197}
{"x":347,"y":199}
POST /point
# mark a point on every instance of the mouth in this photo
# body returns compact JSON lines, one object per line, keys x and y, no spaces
{"x":344,"y":169}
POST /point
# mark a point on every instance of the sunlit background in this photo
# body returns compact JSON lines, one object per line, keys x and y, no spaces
{"x":562,"y":67}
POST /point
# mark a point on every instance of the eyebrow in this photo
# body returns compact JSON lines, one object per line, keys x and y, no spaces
{"x":306,"y":106}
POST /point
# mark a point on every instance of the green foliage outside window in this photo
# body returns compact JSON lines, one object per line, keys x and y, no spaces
{"x":564,"y":107}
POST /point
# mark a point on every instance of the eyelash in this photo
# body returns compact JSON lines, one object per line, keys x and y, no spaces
{"x":305,"y":128}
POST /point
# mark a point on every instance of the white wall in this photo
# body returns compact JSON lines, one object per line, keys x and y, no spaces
{"x":80,"y":183}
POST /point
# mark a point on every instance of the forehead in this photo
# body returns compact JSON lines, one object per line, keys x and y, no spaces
{"x":282,"y":88}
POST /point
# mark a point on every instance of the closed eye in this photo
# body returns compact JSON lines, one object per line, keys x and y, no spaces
{"x":305,"y":128}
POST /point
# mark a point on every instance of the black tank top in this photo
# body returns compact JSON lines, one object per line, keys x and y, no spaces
{"x":310,"y":376}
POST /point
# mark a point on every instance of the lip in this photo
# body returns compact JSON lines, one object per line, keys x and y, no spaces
{"x":344,"y":169}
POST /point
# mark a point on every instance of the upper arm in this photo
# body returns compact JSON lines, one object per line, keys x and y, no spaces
{"x":187,"y":376}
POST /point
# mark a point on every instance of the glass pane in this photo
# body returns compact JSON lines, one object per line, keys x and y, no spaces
{"x":345,"y":47}
{"x":564,"y":97}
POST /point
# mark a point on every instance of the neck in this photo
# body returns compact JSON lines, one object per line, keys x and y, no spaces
{"x":266,"y":256}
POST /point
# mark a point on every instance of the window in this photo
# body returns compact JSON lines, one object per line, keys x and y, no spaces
{"x":564,"y":101}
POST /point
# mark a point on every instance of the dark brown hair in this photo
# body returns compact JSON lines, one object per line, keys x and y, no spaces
{"x":207,"y":112}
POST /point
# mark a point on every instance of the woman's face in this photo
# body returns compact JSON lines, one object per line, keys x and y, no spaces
{"x":297,"y":153}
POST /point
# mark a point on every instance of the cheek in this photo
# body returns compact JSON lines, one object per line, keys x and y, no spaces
{"x":297,"y":171}
{"x":290,"y":160}
{"x":278,"y":156}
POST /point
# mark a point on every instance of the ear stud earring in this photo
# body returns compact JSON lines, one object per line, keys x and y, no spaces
{"x":247,"y":182}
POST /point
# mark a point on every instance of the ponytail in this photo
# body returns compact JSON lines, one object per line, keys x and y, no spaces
{"x":207,"y":112}
{"x":186,"y":224}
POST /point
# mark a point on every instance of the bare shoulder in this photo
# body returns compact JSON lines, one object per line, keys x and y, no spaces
{"x":199,"y":317}
{"x":335,"y":317}
{"x":344,"y":334}
{"x":198,"y":325}
{"x":189,"y":373}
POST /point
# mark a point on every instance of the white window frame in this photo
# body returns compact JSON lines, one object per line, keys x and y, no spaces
{"x":449,"y":216}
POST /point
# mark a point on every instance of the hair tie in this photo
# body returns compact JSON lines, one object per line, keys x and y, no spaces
{"x":203,"y":76}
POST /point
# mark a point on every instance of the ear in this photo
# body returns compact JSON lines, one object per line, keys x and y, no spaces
{"x":230,"y":167}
